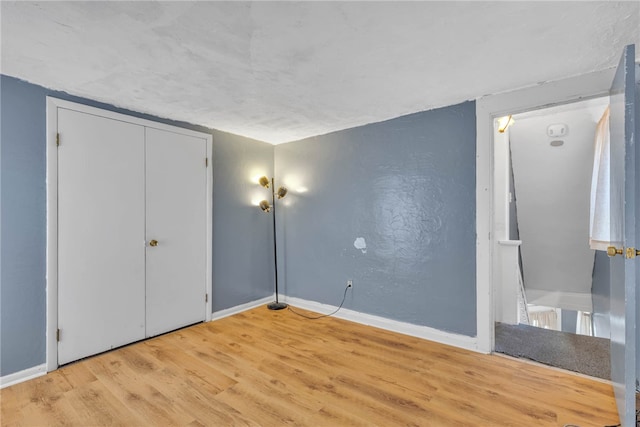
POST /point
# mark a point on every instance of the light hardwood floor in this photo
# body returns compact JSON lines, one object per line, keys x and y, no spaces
{"x":275,"y":368}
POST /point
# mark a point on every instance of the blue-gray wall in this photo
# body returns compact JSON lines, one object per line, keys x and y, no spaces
{"x":600,"y":294}
{"x":23,"y":234}
{"x":569,"y":321}
{"x":241,"y":241}
{"x":242,"y":233}
{"x":407,"y":186}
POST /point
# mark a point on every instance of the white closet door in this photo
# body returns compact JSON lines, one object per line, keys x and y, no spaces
{"x":100,"y":234}
{"x":176,"y":219}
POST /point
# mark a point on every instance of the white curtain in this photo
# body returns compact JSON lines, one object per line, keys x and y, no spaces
{"x":583,"y":324}
{"x":546,"y":318}
{"x":599,"y":232}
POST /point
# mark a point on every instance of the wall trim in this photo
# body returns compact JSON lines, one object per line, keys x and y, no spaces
{"x":418,"y":331}
{"x":487,"y":109}
{"x":221,"y":314}
{"x":24,"y":375}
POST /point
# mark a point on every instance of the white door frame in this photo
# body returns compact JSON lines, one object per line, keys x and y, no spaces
{"x":487,"y":109}
{"x":52,"y":210}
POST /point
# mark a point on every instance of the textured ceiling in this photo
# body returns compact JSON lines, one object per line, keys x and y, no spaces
{"x":281,"y":71}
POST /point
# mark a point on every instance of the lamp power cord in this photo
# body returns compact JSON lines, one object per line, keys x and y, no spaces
{"x":344,"y":297}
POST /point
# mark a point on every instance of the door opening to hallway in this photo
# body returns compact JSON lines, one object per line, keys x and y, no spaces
{"x":552,"y":158}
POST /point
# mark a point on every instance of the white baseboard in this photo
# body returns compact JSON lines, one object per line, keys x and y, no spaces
{"x":217,"y":315}
{"x":424,"y":332}
{"x":24,"y":375}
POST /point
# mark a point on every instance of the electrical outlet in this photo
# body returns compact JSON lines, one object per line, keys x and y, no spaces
{"x":349,"y":283}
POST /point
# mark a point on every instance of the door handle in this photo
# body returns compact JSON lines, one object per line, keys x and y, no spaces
{"x":153,"y":243}
{"x":629,"y":252}
{"x":613,"y":251}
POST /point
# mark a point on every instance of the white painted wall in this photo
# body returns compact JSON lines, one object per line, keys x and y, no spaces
{"x":506,"y":282}
{"x":552,"y":187}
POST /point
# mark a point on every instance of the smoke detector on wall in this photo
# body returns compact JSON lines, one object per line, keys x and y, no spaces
{"x":556,"y":130}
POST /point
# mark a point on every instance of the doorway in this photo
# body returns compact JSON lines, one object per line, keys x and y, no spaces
{"x":619,"y":83}
{"x":549,"y":157}
{"x":490,"y":230}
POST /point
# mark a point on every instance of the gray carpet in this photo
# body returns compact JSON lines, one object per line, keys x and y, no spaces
{"x":578,"y":353}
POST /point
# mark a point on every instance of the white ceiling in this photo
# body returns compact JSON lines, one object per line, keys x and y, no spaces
{"x":282,"y":71}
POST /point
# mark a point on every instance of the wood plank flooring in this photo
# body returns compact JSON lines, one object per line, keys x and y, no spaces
{"x":265,"y":368}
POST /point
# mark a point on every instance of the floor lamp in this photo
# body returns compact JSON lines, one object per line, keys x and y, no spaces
{"x":271,"y":207}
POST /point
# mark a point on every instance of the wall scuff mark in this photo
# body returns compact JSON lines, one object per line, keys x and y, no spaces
{"x":361,"y":244}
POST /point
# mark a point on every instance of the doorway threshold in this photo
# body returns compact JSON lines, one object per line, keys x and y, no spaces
{"x":578,"y":353}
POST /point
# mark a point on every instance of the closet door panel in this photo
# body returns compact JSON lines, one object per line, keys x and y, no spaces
{"x":101,"y":217}
{"x":176,"y":219}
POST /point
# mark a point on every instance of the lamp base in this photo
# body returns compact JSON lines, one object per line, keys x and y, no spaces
{"x":276,"y":305}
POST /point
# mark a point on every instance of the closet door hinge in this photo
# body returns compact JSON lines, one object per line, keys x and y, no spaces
{"x":206,"y":297}
{"x":58,"y":335}
{"x":57,"y":139}
{"x":206,"y":162}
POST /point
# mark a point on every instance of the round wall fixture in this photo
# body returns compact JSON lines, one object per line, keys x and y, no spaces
{"x":558,"y":129}
{"x":557,"y":143}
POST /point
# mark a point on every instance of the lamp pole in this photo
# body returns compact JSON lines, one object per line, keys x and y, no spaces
{"x":276,"y":305}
